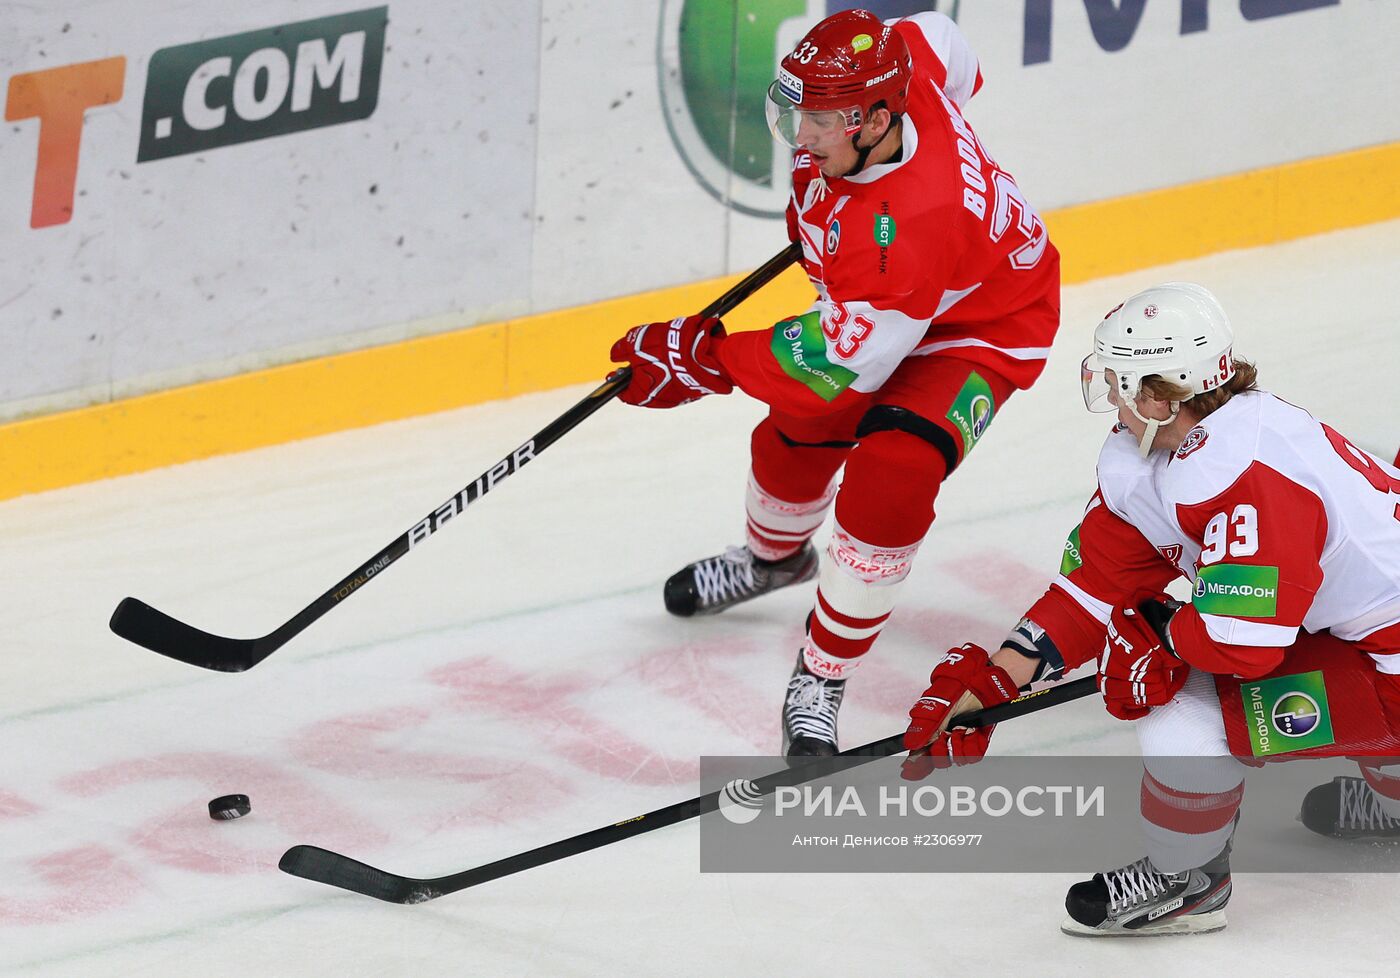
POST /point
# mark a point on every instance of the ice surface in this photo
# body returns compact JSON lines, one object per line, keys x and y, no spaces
{"x":516,"y":681}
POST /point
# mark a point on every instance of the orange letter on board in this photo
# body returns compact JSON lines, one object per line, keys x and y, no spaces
{"x":58,"y":97}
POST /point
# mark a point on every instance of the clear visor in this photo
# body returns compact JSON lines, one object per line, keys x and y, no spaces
{"x":798,"y":129}
{"x":1101,"y":386}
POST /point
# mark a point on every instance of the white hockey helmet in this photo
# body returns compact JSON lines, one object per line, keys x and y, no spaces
{"x":1177,"y":331}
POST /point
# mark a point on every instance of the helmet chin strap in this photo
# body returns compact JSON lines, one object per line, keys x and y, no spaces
{"x":1150,"y":434}
{"x":863,"y":153}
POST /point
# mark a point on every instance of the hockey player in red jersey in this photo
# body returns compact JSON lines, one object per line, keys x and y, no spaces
{"x":1290,"y":536}
{"x":937,"y":297}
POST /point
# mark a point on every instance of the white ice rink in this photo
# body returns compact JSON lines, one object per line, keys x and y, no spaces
{"x":516,"y":681}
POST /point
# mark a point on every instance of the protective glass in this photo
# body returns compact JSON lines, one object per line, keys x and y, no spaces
{"x":1100,"y":395}
{"x":788,"y":123}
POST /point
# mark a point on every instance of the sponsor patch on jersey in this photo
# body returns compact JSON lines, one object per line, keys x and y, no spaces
{"x":833,"y":237}
{"x":884,"y":230}
{"x":1072,"y":559}
{"x":1237,"y":591}
{"x":1287,"y":713}
{"x":1194,"y":439}
{"x":800,"y":349}
{"x":972,"y":410}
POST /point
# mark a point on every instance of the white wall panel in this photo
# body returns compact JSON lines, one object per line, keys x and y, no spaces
{"x":190,"y":266}
{"x":538,"y":154}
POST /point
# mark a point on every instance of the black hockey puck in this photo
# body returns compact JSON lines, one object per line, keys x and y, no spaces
{"x":227,"y":807}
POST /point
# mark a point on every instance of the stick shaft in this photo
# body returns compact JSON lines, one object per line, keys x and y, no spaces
{"x":144,"y":625}
{"x":323,"y":866}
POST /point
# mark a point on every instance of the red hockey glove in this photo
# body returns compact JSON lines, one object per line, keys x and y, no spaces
{"x":965,"y":670}
{"x":672,"y":363}
{"x":1138,"y":668}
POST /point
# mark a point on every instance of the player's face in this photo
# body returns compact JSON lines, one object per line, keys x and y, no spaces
{"x":829,"y":139}
{"x":1147,"y":406}
{"x":826,"y":136}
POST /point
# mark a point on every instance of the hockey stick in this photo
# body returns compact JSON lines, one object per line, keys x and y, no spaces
{"x":138,"y":622}
{"x":323,"y":866}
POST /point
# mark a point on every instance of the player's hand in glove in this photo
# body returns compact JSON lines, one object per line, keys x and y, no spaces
{"x":967,"y":670}
{"x":672,"y":363}
{"x":1138,"y":668}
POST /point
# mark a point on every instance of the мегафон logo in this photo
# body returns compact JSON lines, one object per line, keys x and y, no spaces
{"x":1296,"y":714}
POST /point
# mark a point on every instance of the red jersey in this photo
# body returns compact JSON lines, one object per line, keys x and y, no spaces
{"x":933,"y":251}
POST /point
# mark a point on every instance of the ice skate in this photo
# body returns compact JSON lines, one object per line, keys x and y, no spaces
{"x":1139,"y":901}
{"x":709,"y":586}
{"x":1347,"y":808}
{"x":809,"y":713}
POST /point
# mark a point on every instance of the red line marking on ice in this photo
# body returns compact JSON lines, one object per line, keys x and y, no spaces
{"x":359,"y":746}
{"x":1001,"y":575}
{"x":81,"y":881}
{"x":691,"y":673}
{"x":554,"y":725}
{"x":13,"y":806}
{"x":184,"y":836}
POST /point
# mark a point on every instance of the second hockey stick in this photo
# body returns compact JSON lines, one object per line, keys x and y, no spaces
{"x":138,"y":622}
{"x":323,"y":866}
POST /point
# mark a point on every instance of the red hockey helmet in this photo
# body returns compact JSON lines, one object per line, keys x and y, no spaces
{"x":837,"y":73}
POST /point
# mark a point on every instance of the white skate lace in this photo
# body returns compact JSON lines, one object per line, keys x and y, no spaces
{"x":811,"y":708}
{"x":1133,"y":884}
{"x":1361,"y":809}
{"x":730,"y":575}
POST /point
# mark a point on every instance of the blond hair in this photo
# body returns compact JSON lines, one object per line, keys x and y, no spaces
{"x":1246,"y":378}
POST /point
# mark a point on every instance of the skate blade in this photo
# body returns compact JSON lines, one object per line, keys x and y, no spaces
{"x":1204,"y":923}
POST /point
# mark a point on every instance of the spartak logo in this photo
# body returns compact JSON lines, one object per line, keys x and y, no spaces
{"x":1172,"y":552}
{"x":1195,"y":438}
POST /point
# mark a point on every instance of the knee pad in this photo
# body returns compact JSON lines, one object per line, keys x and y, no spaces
{"x":891,"y":482}
{"x":1190,"y":725}
{"x":793,"y":469}
{"x":891,"y":417}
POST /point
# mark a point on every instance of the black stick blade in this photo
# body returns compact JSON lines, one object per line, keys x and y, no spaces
{"x":138,"y":622}
{"x":333,"y":869}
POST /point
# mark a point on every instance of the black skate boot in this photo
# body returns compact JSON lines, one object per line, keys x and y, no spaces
{"x":809,"y":713}
{"x":709,"y":586}
{"x":1347,"y":808}
{"x":1138,"y":901}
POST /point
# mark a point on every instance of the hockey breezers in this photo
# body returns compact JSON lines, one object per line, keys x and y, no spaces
{"x":138,"y":622}
{"x":323,"y":866}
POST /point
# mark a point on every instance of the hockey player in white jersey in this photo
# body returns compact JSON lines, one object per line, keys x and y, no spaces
{"x":1290,"y":536}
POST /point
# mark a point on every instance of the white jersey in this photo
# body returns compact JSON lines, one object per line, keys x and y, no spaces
{"x":1277,"y":520}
